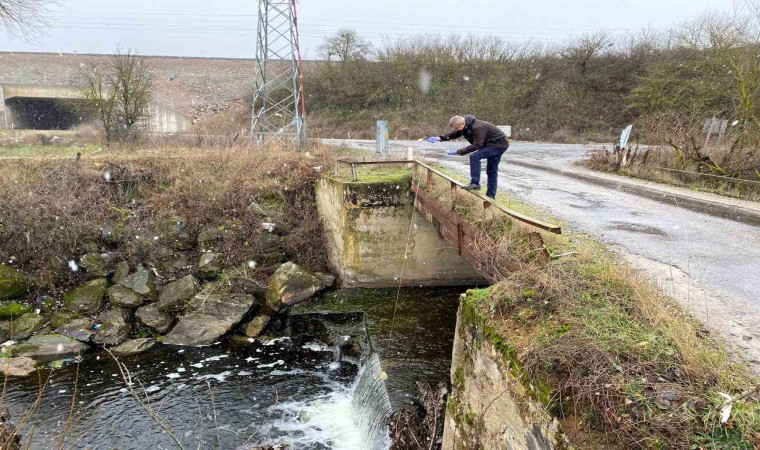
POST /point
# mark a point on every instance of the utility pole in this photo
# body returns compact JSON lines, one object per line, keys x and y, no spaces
{"x":278,"y":106}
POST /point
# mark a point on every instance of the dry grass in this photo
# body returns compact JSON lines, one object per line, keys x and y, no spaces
{"x":53,"y":209}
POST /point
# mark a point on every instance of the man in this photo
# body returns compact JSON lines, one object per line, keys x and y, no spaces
{"x":486,"y":142}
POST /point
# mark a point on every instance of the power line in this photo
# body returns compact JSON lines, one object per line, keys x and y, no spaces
{"x":205,"y":18}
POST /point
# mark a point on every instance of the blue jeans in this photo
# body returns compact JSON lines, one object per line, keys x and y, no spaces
{"x":492,"y":156}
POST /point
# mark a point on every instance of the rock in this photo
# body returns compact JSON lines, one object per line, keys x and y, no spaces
{"x":49,"y":347}
{"x":291,"y":284}
{"x":174,"y":296}
{"x":255,"y":208}
{"x":115,"y":326}
{"x":143,"y":281}
{"x":270,"y":247}
{"x":61,"y":318}
{"x":327,"y":279}
{"x":79,"y":329}
{"x":88,"y":298}
{"x":256,"y":326}
{"x":153,"y":318}
{"x":12,"y":283}
{"x":124,"y":297}
{"x":96,"y":264}
{"x":211,"y":238}
{"x":17,"y":367}
{"x":47,"y":304}
{"x":133,"y":347}
{"x":10,"y":310}
{"x":174,"y":232}
{"x":244,"y":284}
{"x":168,"y":260}
{"x":26,"y":325}
{"x":5,"y":331}
{"x":209,"y":265}
{"x":120,"y":273}
{"x":208,"y":318}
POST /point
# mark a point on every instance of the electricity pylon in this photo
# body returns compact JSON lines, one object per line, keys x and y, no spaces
{"x":278,"y":106}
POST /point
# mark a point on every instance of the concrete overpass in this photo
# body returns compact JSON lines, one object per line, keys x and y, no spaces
{"x":40,"y":107}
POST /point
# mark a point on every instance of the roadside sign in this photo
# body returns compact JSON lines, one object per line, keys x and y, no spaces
{"x":507,"y":129}
{"x":714,"y":126}
{"x":381,"y":137}
{"x":625,"y":135}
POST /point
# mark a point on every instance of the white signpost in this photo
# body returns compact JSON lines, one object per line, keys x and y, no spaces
{"x":507,"y":129}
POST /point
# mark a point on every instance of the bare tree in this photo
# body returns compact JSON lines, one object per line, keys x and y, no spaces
{"x":586,"y":48}
{"x":24,"y":17}
{"x":101,"y":97}
{"x":132,"y":81}
{"x":345,"y":45}
{"x":119,"y":93}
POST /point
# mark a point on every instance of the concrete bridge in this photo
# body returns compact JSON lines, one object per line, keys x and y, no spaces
{"x":371,"y":242}
{"x":40,"y":107}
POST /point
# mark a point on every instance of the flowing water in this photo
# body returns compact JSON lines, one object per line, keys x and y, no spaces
{"x":243,"y":394}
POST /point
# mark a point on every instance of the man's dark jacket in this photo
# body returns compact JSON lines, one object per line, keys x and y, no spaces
{"x":479,"y":134}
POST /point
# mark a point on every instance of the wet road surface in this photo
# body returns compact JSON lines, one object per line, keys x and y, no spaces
{"x":702,"y":249}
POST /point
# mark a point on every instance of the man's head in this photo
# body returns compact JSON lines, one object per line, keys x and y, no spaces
{"x":457,"y":123}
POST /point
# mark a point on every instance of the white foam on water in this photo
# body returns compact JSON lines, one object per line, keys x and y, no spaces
{"x":215,"y":358}
{"x":221,"y":377}
{"x":275,"y":341}
{"x":348,"y":418}
{"x":316,"y":346}
{"x":276,"y":363}
{"x":327,"y":420}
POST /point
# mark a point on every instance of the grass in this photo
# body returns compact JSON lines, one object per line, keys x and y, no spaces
{"x":44,"y":151}
{"x":648,"y":169}
{"x":613,"y":349}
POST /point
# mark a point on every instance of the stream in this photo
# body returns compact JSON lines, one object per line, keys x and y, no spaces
{"x":246,"y":393}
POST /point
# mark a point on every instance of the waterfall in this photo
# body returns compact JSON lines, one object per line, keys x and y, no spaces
{"x":371,"y":404}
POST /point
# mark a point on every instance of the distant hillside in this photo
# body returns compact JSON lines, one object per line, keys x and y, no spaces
{"x":196,"y":86}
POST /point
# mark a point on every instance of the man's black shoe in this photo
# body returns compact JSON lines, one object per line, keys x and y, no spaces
{"x":471,"y":187}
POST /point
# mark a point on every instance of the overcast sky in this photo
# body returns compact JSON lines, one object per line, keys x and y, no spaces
{"x":227,"y":28}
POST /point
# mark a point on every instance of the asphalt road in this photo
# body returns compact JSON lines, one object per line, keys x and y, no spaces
{"x":702,"y":249}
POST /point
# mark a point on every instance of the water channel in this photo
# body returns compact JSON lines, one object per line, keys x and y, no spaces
{"x":248,"y":393}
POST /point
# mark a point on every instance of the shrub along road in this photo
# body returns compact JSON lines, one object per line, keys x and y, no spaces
{"x":702,"y":249}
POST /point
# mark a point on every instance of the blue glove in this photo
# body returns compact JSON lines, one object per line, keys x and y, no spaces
{"x":433,"y":139}
{"x":451,"y":152}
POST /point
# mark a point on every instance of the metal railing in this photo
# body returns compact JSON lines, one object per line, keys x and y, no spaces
{"x":455,"y":186}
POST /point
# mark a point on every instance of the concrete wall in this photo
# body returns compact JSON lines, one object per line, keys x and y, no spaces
{"x":491,"y":406}
{"x":40,"y":91}
{"x":162,"y":119}
{"x":368,"y":227}
{"x":4,"y":119}
{"x":165,"y":120}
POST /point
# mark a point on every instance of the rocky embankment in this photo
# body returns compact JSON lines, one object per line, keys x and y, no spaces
{"x":129,"y":309}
